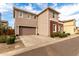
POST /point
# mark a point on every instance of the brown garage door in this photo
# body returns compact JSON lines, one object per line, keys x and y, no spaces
{"x":27,"y":30}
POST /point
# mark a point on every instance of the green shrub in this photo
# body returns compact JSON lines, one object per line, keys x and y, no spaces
{"x":68,"y":33}
{"x":63,"y":32}
{"x":52,"y":35}
{"x":7,"y":39}
{"x":55,"y":34}
{"x":65,"y":35}
{"x":62,"y":35}
{"x":13,"y":36}
{"x":10,"y":39}
{"x":2,"y":39}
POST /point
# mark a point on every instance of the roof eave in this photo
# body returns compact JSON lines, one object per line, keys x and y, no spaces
{"x":47,"y":9}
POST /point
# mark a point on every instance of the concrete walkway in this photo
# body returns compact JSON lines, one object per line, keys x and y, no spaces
{"x":42,"y":45}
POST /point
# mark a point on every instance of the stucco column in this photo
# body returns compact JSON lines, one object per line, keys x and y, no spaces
{"x":17,"y":30}
{"x":51,"y":28}
{"x":57,"y":26}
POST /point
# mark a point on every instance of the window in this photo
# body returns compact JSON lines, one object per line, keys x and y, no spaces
{"x":34,"y":17}
{"x":21,"y":14}
{"x":28,"y":16}
{"x":53,"y":15}
{"x":54,"y":27}
{"x":74,"y":29}
{"x":60,"y":28}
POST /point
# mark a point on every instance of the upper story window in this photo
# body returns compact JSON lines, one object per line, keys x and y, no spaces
{"x":28,"y":16}
{"x":53,"y":15}
{"x":34,"y":17}
{"x":21,"y":14}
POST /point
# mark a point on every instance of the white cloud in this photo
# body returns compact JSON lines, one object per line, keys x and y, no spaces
{"x":42,"y":5}
{"x":5,"y":7}
{"x":54,"y":5}
{"x":67,"y":11}
{"x":5,"y":10}
{"x":76,"y":16}
{"x":30,"y":9}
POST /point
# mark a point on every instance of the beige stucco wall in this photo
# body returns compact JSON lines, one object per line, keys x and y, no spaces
{"x":69,"y":27}
{"x":25,"y":14}
{"x":51,"y":16}
{"x":26,"y":22}
{"x":43,"y":24}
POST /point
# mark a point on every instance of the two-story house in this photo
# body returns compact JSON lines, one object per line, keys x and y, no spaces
{"x":44,"y":23}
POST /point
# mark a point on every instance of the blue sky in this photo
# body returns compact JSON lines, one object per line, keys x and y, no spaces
{"x":67,"y":10}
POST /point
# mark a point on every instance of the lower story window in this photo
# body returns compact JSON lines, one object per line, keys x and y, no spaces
{"x":54,"y":27}
{"x":60,"y":28}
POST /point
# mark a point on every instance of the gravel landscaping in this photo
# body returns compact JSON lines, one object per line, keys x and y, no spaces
{"x":6,"y":48}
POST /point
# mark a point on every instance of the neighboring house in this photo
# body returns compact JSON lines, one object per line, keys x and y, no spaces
{"x":77,"y":30}
{"x":69,"y":26}
{"x":45,"y":23}
{"x":9,"y":27}
{"x":4,"y":23}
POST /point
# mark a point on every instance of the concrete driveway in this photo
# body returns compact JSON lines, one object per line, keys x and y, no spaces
{"x":46,"y":46}
{"x":31,"y":40}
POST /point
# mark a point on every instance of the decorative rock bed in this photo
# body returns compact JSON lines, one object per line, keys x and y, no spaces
{"x":6,"y":48}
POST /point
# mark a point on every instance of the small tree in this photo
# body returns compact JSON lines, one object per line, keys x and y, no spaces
{"x":4,"y":30}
